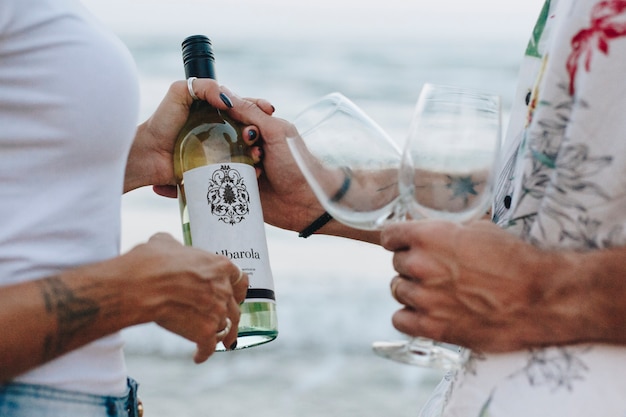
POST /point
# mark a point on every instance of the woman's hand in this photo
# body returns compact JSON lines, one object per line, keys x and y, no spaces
{"x":150,"y":161}
{"x":288,"y":201}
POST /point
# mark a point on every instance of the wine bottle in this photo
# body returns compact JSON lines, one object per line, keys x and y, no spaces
{"x":219,"y":198}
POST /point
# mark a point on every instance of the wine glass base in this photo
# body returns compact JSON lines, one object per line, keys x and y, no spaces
{"x":431,"y":356}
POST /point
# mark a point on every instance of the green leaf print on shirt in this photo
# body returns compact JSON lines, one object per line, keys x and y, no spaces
{"x":484,"y":411}
{"x":533,"y":45}
{"x":563,"y":176}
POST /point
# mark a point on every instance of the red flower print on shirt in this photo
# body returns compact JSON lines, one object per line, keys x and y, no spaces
{"x":608,"y":21}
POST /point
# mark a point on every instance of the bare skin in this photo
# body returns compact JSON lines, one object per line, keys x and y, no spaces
{"x":474,"y":285}
{"x":287,"y":200}
{"x":157,"y":134}
{"x":184,"y":290}
{"x":480,"y":287}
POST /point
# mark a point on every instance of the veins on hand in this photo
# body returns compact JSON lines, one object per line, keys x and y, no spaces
{"x":73,"y":313}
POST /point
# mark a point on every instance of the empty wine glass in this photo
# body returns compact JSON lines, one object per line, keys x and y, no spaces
{"x":349,"y":161}
{"x":363,"y":180}
{"x":447,"y":172}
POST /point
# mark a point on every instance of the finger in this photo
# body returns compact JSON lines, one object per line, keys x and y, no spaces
{"x":401,"y":289}
{"x":416,"y":233}
{"x":426,"y":265}
{"x":400,"y":259}
{"x":169,"y":191}
{"x":256,"y":153}
{"x":394,"y":287}
{"x":226,"y":327}
{"x":210,"y":91}
{"x":163,"y":238}
{"x":205,"y":350}
{"x":394,"y":237}
{"x":215,"y":333}
{"x":239,"y":281}
{"x":250,"y":135}
{"x":234,"y":314}
{"x":417,"y":323}
{"x":248,"y":112}
{"x":206,"y":336}
{"x":409,"y":322}
{"x":408,"y":292}
{"x":263,"y":104}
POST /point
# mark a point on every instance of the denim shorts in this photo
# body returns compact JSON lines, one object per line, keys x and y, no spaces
{"x":25,"y":400}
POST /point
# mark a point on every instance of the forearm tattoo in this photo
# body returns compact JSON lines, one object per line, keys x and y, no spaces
{"x":73,"y":314}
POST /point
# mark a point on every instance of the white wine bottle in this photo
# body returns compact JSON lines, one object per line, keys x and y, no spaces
{"x":219,"y":198}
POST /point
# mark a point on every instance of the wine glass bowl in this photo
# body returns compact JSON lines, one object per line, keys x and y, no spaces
{"x":363,"y":180}
{"x":348,"y":160}
{"x":447,"y":172}
{"x":450,"y":153}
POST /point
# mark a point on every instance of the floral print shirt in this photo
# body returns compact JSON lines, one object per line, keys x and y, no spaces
{"x":562,"y":185}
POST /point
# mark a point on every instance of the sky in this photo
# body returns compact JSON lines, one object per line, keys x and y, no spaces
{"x":266,"y":18}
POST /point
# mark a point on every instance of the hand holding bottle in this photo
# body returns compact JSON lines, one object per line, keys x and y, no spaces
{"x":150,"y":158}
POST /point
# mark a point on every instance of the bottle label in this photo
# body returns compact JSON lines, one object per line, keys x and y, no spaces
{"x":226,"y":218}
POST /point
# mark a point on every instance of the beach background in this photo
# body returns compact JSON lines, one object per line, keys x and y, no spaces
{"x":332,"y":294}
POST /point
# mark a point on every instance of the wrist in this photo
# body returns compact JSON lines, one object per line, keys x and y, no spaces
{"x":601,"y":309}
{"x":101,"y":290}
{"x":581,"y":298}
{"x":146,"y":288}
{"x":133,"y":173}
{"x":558,"y":293}
{"x":139,"y":169}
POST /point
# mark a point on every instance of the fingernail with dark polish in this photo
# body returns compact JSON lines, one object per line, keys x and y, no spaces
{"x":233,"y":346}
{"x":273,"y":109}
{"x":226,"y":100}
{"x":252,"y":135}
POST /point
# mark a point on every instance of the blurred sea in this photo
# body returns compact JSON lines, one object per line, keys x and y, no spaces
{"x":333,"y":294}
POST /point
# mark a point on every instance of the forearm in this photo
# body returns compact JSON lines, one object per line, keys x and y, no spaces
{"x":46,"y":318}
{"x":364,"y":192}
{"x":568,"y":298}
{"x":335,"y":228}
{"x":584,"y":299}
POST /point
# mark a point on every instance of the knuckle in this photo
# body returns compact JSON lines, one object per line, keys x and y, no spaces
{"x":178,"y":87}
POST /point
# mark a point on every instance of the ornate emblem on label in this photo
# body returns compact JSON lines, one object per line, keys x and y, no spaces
{"x":228,"y":196}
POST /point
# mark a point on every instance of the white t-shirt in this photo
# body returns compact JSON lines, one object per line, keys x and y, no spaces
{"x":69,"y":99}
{"x":562,"y":186}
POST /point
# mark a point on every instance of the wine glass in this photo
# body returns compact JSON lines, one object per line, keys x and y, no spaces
{"x":447,"y":172}
{"x":363,"y":180}
{"x":349,"y":161}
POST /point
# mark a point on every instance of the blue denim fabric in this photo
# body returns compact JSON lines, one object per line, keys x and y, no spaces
{"x":25,"y":400}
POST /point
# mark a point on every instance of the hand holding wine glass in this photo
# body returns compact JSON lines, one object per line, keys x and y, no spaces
{"x":360,"y":177}
{"x":447,"y":172}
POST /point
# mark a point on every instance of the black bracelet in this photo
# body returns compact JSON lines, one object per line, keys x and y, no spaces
{"x":316,"y":225}
{"x":325,"y":218}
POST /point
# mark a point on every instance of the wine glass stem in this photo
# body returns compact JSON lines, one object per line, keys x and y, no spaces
{"x":421,"y":346}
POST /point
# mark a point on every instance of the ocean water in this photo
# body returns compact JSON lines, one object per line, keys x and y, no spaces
{"x":333,"y":294}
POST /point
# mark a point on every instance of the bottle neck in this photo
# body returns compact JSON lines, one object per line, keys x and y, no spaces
{"x":200,"y":68}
